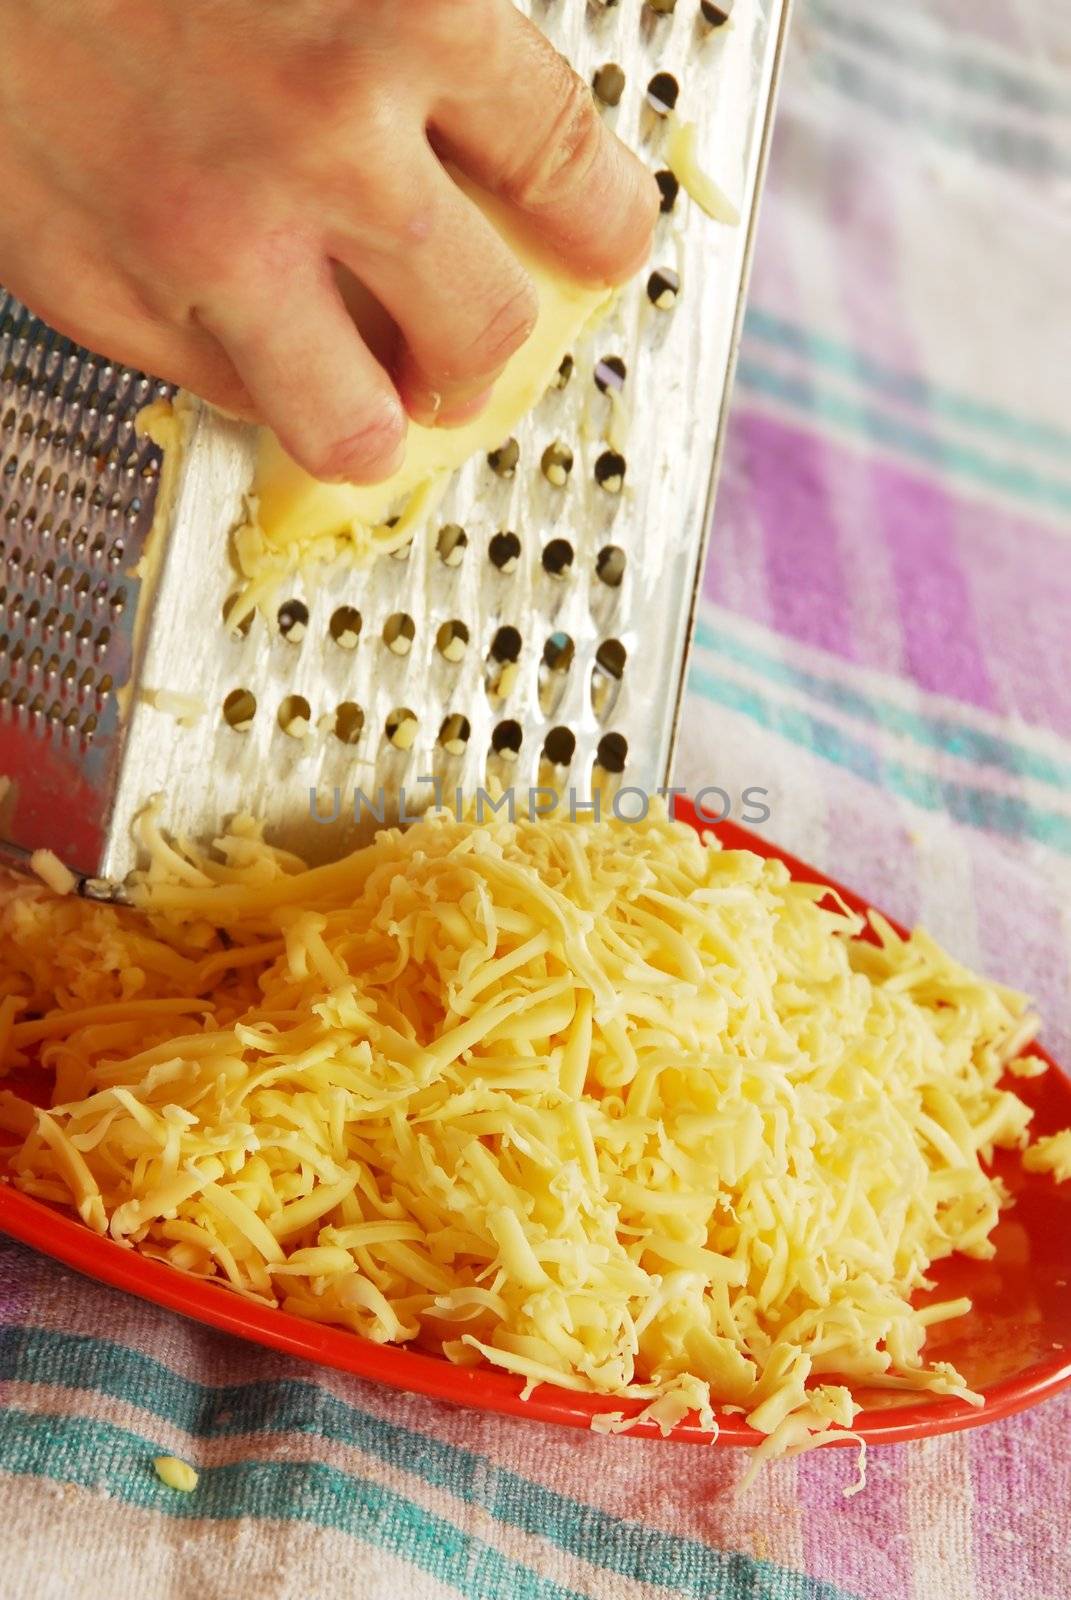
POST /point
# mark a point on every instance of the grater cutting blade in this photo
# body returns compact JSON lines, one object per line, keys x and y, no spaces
{"x":534,"y":633}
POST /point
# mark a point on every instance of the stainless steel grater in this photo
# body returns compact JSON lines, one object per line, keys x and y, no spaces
{"x":536,"y":631}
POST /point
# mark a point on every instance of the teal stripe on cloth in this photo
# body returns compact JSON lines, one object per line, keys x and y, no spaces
{"x":944,"y":734}
{"x":98,"y":1455}
{"x":978,"y":808}
{"x":629,"y":1549}
{"x":879,"y":427}
{"x":843,"y":361}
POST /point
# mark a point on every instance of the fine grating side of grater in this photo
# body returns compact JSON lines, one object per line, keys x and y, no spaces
{"x":533,"y":633}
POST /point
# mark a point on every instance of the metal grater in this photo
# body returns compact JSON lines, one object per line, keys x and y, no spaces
{"x":585,"y":595}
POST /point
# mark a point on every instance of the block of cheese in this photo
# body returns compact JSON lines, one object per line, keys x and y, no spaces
{"x":294,"y":509}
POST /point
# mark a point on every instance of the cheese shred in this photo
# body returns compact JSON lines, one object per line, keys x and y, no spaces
{"x":600,"y":1104}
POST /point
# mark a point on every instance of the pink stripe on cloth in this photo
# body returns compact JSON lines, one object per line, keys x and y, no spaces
{"x":1017,"y":577}
{"x":860,"y":1544}
{"x":1020,"y":931}
{"x":735,"y":574}
{"x":982,"y":594}
{"x":1020,"y":1474}
{"x":785,"y":471}
{"x":943,"y":647}
{"x":21,"y":1272}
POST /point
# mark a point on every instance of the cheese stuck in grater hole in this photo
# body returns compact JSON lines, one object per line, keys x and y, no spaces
{"x":599,"y":1104}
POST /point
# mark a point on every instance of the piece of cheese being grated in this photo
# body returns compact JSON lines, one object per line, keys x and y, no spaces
{"x":52,"y":873}
{"x":596,"y":1103}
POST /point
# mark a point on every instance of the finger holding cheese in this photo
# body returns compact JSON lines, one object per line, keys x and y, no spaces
{"x":457,"y":292}
{"x":310,"y":373}
{"x":562,"y":169}
{"x":294,"y":508}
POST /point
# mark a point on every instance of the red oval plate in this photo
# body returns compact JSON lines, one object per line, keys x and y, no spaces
{"x":1014,"y":1347}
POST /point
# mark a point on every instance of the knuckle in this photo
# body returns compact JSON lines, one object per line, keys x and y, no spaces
{"x":563,"y":160}
{"x":504,"y":330}
{"x":368,"y":453}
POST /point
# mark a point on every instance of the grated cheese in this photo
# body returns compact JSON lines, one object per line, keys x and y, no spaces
{"x":52,"y":873}
{"x":176,"y":1474}
{"x":599,"y":1104}
{"x":682,"y":158}
{"x":187,"y":709}
{"x":1051,"y":1154}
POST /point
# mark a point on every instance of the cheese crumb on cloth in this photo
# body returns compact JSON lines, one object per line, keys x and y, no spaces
{"x":596,"y":1103}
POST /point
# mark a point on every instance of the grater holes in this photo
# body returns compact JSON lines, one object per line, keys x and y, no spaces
{"x":612,"y":753}
{"x":239,"y":709}
{"x":399,"y":631}
{"x":559,"y":748}
{"x":558,"y":558}
{"x":507,"y":739}
{"x":345,"y":627}
{"x":295,"y":716}
{"x":610,"y":567}
{"x":663,"y":92}
{"x":606,"y":676}
{"x":503,"y":664}
{"x":661,"y":8}
{"x":455,"y":734}
{"x":610,"y":373}
{"x":292,"y":618}
{"x":240,"y":628}
{"x":663,"y":288}
{"x":451,"y":641}
{"x":505,"y":552}
{"x":558,"y":655}
{"x":564,"y":372}
{"x":401,"y":728}
{"x":669,"y":187}
{"x":349,"y":722}
{"x":506,"y":644}
{"x":715,"y":13}
{"x":611,"y":657}
{"x":451,"y":544}
{"x":609,"y":84}
{"x":610,"y":470}
{"x":503,"y":461}
{"x":557,"y":464}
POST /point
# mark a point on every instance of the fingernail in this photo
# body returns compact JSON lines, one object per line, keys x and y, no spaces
{"x":425,"y":408}
{"x":463,"y":411}
{"x":350,"y":463}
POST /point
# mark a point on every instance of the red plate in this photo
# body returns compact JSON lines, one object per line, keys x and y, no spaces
{"x":1014,"y":1346}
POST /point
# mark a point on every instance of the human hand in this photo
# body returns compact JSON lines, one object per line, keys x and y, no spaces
{"x":184,"y":180}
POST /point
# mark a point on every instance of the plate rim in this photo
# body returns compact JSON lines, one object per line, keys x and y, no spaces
{"x":65,"y":1238}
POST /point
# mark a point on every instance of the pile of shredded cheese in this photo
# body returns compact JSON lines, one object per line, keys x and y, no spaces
{"x":596,"y":1103}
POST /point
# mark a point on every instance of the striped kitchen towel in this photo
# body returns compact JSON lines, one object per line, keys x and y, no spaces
{"x":883,"y":649}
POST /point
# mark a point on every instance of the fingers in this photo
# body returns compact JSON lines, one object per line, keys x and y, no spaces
{"x":460,"y":297}
{"x":529,"y":130}
{"x":105,"y":315}
{"x":310,"y":375}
